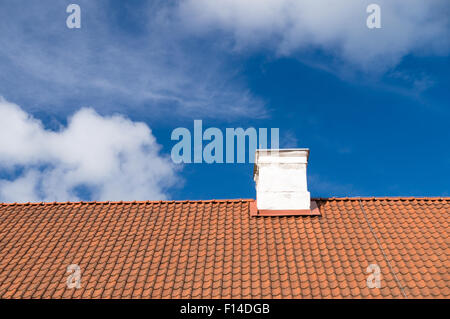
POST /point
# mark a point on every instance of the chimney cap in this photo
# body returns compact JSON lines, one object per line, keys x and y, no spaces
{"x":282,"y":152}
{"x":282,"y":149}
{"x":280,"y":156}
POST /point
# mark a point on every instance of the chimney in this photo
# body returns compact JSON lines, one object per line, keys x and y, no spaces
{"x":281,"y":185}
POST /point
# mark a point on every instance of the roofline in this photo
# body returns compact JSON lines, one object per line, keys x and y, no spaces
{"x":225,"y":200}
{"x":385,"y":198}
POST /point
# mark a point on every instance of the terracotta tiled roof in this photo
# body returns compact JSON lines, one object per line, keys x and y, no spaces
{"x":214,"y":249}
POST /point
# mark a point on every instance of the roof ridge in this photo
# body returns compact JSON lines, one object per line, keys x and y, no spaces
{"x":222,"y":200}
{"x":131,"y":202}
{"x":384,"y":198}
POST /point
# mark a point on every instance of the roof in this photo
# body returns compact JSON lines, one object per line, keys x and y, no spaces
{"x":215,"y":249}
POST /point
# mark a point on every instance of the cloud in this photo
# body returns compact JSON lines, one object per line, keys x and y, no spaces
{"x":94,"y":157}
{"x":336,"y":29}
{"x":179,"y":58}
{"x":124,"y":58}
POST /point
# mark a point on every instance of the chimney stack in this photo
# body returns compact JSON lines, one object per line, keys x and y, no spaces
{"x":281,"y":184}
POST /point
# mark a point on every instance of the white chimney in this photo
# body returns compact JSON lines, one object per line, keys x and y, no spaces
{"x":281,"y":185}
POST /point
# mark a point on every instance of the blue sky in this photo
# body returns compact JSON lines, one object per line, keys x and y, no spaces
{"x":372,"y":105}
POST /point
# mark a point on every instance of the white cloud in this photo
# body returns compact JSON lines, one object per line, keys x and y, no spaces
{"x":111,"y":158}
{"x":173,"y":57}
{"x":337,"y":28}
{"x":143,"y":65}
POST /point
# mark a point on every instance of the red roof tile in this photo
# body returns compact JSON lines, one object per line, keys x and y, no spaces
{"x":215,"y":249}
